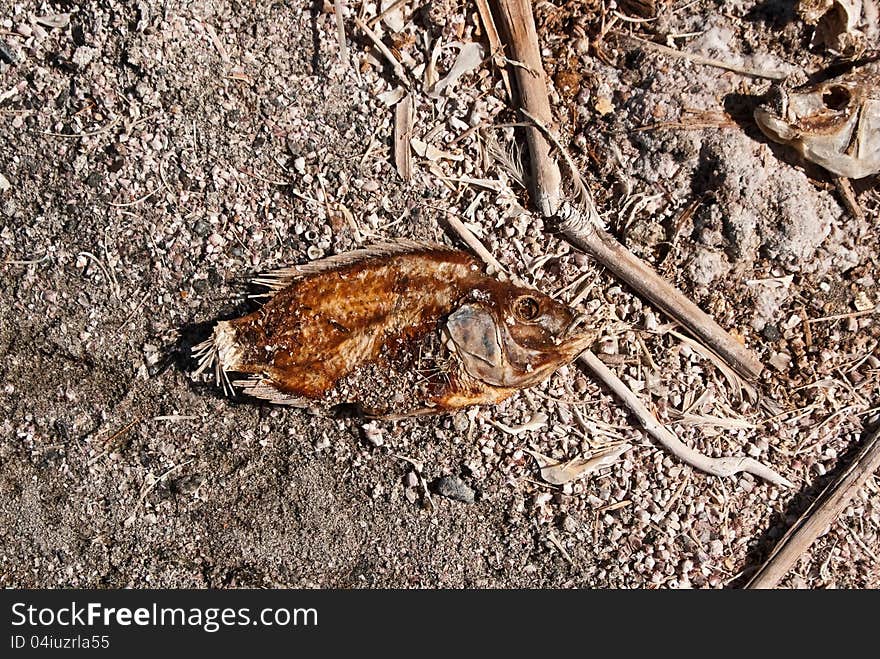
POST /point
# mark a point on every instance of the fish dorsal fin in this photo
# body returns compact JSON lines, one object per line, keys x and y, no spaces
{"x":276,"y":280}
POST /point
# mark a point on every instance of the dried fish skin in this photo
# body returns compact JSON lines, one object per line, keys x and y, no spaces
{"x":397,"y":329}
{"x":836,"y":24}
{"x":834,"y":123}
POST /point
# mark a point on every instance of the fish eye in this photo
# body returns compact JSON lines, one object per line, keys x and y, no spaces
{"x":836,"y":98}
{"x":526,"y":308}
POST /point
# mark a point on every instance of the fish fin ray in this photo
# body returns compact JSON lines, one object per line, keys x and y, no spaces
{"x":276,"y":280}
{"x":261,"y":387}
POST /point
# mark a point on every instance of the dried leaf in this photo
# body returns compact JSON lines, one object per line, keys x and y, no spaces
{"x":392,"y":96}
{"x":432,"y":153}
{"x":560,"y":473}
{"x":538,"y":421}
{"x":53,"y":20}
{"x":469,"y":58}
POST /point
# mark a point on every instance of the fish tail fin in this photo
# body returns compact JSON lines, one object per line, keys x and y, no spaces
{"x":221,"y":352}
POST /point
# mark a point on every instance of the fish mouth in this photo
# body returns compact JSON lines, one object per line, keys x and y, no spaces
{"x":573,"y":325}
{"x":772,"y":116}
{"x":576,"y":342}
{"x":582,"y":343}
{"x":774,"y":127}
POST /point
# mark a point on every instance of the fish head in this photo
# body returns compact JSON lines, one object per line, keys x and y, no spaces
{"x":511,"y":336}
{"x":834,"y":123}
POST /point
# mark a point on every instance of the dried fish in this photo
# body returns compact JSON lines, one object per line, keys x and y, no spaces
{"x":835,"y":23}
{"x":394,"y":330}
{"x":834,"y":123}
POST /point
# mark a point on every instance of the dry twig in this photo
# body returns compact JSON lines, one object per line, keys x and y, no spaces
{"x":403,"y":124}
{"x":338,"y":7}
{"x":584,"y":232}
{"x":819,"y":516}
{"x":714,"y":466}
{"x":396,"y":66}
{"x":518,"y":23}
{"x":706,"y":61}
{"x":494,"y":41}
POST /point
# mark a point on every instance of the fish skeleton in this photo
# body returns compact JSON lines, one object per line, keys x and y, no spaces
{"x":834,"y":123}
{"x":397,"y":329}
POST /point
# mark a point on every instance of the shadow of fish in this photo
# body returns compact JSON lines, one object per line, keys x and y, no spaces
{"x":397,"y":329}
{"x":834,"y":123}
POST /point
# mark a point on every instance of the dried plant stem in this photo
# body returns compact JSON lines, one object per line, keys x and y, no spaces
{"x":338,"y":9}
{"x":820,"y":515}
{"x":518,"y":23}
{"x":403,"y":126}
{"x":848,"y":196}
{"x":378,"y":17}
{"x":474,"y":243}
{"x":714,"y":466}
{"x":396,"y":66}
{"x":494,"y":41}
{"x":583,"y":232}
{"x":705,"y":61}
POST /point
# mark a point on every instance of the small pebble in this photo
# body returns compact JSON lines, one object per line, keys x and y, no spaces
{"x":373,"y":434}
{"x":454,"y":488}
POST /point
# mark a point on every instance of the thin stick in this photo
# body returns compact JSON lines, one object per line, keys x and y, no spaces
{"x":585,"y":234}
{"x":44,"y":257}
{"x":221,"y":49}
{"x":111,"y":281}
{"x":706,"y":61}
{"x":848,"y":196}
{"x":403,"y":125}
{"x":378,"y":17}
{"x":518,"y":23}
{"x":147,"y":488}
{"x":338,"y":7}
{"x":75,"y":135}
{"x":819,"y":516}
{"x":494,"y":41}
{"x":474,"y":243}
{"x":714,"y":466}
{"x":841,"y":316}
{"x":386,"y":53}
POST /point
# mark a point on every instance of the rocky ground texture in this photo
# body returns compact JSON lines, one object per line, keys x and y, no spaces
{"x":156,"y":154}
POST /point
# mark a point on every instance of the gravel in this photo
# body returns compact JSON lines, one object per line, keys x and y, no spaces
{"x":158,"y":154}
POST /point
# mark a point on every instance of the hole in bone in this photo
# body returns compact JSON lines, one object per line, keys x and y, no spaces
{"x":836,"y":98}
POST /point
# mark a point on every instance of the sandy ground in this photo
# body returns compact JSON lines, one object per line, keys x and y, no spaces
{"x":159,"y":153}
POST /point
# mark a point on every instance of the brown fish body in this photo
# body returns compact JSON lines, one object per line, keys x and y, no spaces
{"x":398,"y":329}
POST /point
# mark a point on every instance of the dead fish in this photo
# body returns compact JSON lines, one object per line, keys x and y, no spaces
{"x":835,"y":123}
{"x":835,"y":23}
{"x":396,"y":329}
